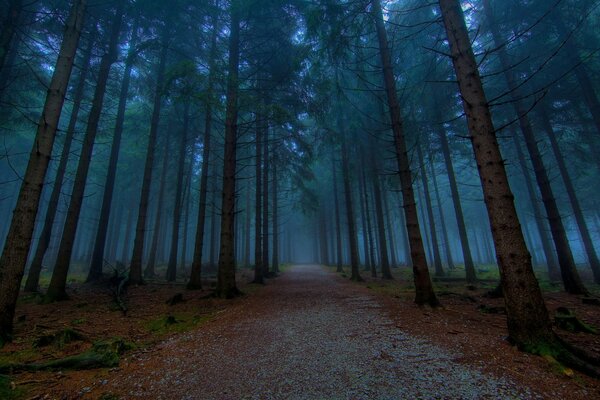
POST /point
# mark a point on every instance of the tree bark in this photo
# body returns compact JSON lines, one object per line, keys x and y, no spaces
{"x":150,"y":270}
{"x":437,"y":259}
{"x":352,"y":240}
{"x":33,"y":277}
{"x":265,"y":199}
{"x":381,"y":237}
{"x":135,"y":268}
{"x":58,"y":282}
{"x":440,"y":208}
{"x":423,"y":286}
{"x":95,"y":272}
{"x":586,"y":238}
{"x":196,"y":273}
{"x":547,"y":246}
{"x":528,"y":321}
{"x":18,"y":240}
{"x":275,"y":194}
{"x":362,"y":193}
{"x":226,"y":286}
{"x":471,"y":276}
{"x":338,"y":228}
{"x":171,"y":274}
{"x":570,"y":276}
{"x":258,"y":258}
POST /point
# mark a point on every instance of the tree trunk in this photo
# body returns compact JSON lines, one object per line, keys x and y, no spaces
{"x":275,"y":262}
{"x":372,"y":262}
{"x":258,"y":258}
{"x":265,"y":199}
{"x":588,"y":243}
{"x":33,"y":277}
{"x":352,"y":239}
{"x":458,"y":212}
{"x":150,"y":270}
{"x":362,"y":193}
{"x":437,"y":259}
{"x":528,"y":321}
{"x":135,"y":268}
{"x":58,"y":282}
{"x":423,"y":286}
{"x":381,"y":237}
{"x":196,"y":273}
{"x":389,"y":219}
{"x":95,"y":272}
{"x":570,"y":276}
{"x":187,"y":196}
{"x":226,"y":287}
{"x":447,"y":250}
{"x":171,"y":274}
{"x":338,"y":228}
{"x":547,"y":246}
{"x":247,"y":226}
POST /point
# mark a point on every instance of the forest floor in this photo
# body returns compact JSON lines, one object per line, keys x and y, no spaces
{"x":308,"y":334}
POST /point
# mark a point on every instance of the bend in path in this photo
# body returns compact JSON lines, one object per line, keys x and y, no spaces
{"x":308,"y":335}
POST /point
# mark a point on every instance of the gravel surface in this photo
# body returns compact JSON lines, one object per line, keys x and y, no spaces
{"x":306,"y":335}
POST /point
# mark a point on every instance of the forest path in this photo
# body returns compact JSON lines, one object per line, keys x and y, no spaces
{"x":306,"y":335}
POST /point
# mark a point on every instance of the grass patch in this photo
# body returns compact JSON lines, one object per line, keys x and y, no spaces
{"x":7,"y":391}
{"x":176,"y":322}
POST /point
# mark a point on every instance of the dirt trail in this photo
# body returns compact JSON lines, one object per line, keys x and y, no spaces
{"x":307,"y":335}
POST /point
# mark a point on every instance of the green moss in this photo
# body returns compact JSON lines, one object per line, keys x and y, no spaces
{"x":59,"y":339}
{"x":19,"y":357}
{"x":177,"y":322}
{"x":103,"y":354}
{"x":7,"y":392}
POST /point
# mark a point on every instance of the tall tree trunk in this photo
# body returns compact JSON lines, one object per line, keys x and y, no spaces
{"x":127,"y":238}
{"x":338,"y":228}
{"x":458,"y":211}
{"x":423,"y":286}
{"x":528,"y":321}
{"x":196,"y":273}
{"x":352,"y":239}
{"x":324,"y":242}
{"x":95,"y":272}
{"x":150,"y":270}
{"x":275,"y":241}
{"x":58,"y":282}
{"x":18,"y":240}
{"x":265,"y":199}
{"x":362,"y":193}
{"x":258,"y":258}
{"x":187,"y":196}
{"x":214,"y":240}
{"x":381,"y":237}
{"x":588,"y":243}
{"x":171,"y":274}
{"x":389,"y":219}
{"x":437,"y":259}
{"x":447,"y":250}
{"x":372,"y":262}
{"x":135,"y":268}
{"x":226,"y":287}
{"x":247,"y":226}
{"x":569,"y":273}
{"x":547,"y":246}
{"x":33,"y":277}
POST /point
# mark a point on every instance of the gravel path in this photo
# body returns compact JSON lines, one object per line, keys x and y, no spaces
{"x":306,"y":335}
